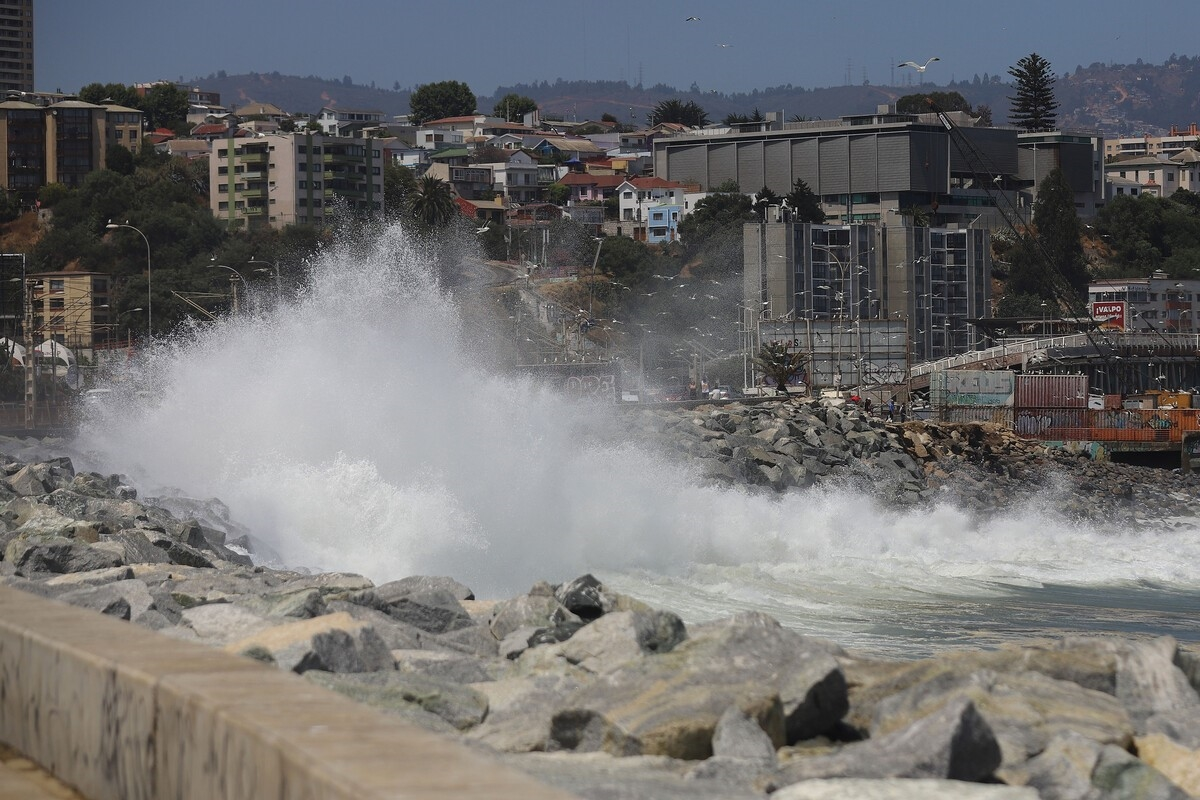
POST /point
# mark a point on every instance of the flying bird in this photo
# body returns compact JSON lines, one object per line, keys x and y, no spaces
{"x":692,"y":19}
{"x":916,"y":66}
{"x":484,"y":229}
{"x":724,"y":45}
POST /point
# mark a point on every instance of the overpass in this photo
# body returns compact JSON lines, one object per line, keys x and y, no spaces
{"x":1116,"y":363}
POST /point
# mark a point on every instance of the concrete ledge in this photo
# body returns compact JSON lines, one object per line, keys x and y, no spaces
{"x":122,"y":713}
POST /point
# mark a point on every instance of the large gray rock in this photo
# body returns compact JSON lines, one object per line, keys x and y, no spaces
{"x":614,"y":639}
{"x":1025,"y":710}
{"x":332,"y":643}
{"x":601,"y":776}
{"x":222,"y":623}
{"x":56,"y":554}
{"x":537,"y":609}
{"x":460,"y":706}
{"x":132,"y":546}
{"x":431,"y":610}
{"x":126,"y":599}
{"x":521,"y":709}
{"x":1120,"y":776}
{"x":954,"y":742}
{"x":420,"y":584}
{"x":1156,"y":693}
{"x":669,"y":704}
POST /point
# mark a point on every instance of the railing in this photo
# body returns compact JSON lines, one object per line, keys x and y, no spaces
{"x":1112,"y":340}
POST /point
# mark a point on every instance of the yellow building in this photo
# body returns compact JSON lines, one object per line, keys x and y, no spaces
{"x":71,"y":308}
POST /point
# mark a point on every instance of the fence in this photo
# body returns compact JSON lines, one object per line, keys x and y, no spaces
{"x":1134,"y":426}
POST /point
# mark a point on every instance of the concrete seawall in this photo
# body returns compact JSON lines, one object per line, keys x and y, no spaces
{"x":123,"y":713}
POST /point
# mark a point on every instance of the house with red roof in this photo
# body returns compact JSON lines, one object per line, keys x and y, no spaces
{"x":587,"y":188}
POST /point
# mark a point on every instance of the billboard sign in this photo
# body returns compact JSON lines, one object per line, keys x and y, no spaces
{"x":1109,"y":315}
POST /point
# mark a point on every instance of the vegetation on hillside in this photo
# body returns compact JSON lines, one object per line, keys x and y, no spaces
{"x":165,"y":200}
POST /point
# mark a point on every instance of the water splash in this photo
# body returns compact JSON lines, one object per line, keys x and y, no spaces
{"x":359,"y":428}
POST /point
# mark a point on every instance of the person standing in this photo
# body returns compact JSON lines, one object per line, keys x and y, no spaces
{"x":891,"y":409}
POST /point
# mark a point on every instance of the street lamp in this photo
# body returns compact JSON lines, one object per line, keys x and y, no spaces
{"x":274,"y":269}
{"x":149,"y":295}
{"x":233,"y":279}
{"x":592,"y":281}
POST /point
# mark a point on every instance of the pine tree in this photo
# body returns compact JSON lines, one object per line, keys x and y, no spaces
{"x":1034,"y":105}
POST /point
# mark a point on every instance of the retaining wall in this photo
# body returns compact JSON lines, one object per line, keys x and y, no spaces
{"x":123,"y":713}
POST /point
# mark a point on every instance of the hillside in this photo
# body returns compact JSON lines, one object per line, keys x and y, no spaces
{"x":1113,"y":99}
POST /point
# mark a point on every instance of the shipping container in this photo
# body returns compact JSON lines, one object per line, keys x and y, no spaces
{"x":1052,"y":391}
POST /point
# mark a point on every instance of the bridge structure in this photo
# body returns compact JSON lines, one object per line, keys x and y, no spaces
{"x":1116,"y":363}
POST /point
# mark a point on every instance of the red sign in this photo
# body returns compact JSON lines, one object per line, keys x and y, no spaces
{"x":1110,"y":316}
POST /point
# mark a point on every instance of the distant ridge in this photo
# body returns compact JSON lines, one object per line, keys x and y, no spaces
{"x":1112,"y":99}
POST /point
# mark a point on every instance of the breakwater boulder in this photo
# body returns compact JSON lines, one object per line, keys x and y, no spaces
{"x":782,"y":445}
{"x":602,"y":695}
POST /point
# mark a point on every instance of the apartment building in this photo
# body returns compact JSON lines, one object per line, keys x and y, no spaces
{"x":123,"y":126}
{"x":347,"y":122}
{"x":16,"y":46}
{"x":71,"y":308}
{"x":1172,"y":144}
{"x":1159,"y":175}
{"x":282,"y":179}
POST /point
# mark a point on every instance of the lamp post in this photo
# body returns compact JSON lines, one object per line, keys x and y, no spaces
{"x":274,"y":269}
{"x":233,"y":279}
{"x":149,"y":295}
{"x":592,"y":280}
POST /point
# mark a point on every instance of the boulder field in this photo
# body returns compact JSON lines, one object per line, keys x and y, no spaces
{"x":599,"y":694}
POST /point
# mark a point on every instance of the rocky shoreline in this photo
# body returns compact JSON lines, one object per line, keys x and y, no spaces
{"x":606,"y":697}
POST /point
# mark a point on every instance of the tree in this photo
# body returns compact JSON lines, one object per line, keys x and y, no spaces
{"x":804,"y":203}
{"x":558,"y":194}
{"x":1060,"y":232}
{"x":763,"y":199}
{"x":513,"y":107}
{"x":110,"y":93}
{"x":432,"y":101}
{"x":431,"y":203}
{"x":673,"y":110}
{"x":1034,"y":105}
{"x":118,"y":158}
{"x":778,"y":364}
{"x":919,"y":103}
{"x":165,"y":106}
{"x":1049,"y":264}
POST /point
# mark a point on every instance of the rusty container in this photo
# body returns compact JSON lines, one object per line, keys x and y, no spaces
{"x":1051,"y":391}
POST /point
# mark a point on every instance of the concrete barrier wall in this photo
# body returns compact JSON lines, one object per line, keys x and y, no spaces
{"x":123,"y":713}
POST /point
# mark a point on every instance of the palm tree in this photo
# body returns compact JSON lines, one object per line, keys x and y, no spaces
{"x":431,"y":203}
{"x":778,"y":364}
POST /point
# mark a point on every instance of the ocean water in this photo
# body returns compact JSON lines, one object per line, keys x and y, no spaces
{"x":364,"y":426}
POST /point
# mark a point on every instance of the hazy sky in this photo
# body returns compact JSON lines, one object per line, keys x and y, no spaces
{"x":493,"y":44}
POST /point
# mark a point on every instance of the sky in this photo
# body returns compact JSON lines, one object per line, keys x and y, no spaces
{"x":731,"y":47}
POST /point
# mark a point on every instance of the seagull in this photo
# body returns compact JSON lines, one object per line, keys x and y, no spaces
{"x":916,"y":66}
{"x":724,"y":45}
{"x":484,"y":229}
{"x":692,"y":19}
